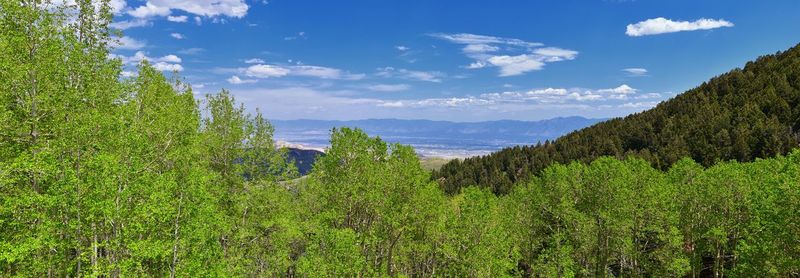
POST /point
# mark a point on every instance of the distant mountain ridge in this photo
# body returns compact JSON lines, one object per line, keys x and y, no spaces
{"x":437,"y":138}
{"x":741,"y":115}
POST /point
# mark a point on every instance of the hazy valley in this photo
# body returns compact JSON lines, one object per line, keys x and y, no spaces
{"x":434,"y":138}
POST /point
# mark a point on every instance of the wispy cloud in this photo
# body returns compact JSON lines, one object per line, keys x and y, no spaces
{"x":517,"y":57}
{"x":473,"y":39}
{"x":635,"y":72}
{"x":254,"y":61}
{"x":307,"y":102}
{"x":639,"y":105}
{"x":388,"y":87}
{"x":299,"y":35}
{"x":536,"y":96}
{"x":177,"y":36}
{"x":407,"y":54}
{"x":428,"y":76}
{"x":274,"y":71}
{"x":662,"y":25}
{"x":649,"y":96}
{"x":127,"y":24}
{"x":191,"y":51}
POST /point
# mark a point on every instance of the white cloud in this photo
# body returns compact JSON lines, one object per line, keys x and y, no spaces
{"x":662,"y":25}
{"x":177,"y":36}
{"x":639,"y":105}
{"x":179,"y":18}
{"x":635,"y":72}
{"x":514,"y":65}
{"x":477,"y":65}
{"x":649,"y":96}
{"x":127,"y":24}
{"x":272,"y":71}
{"x":266,"y":71}
{"x":429,"y":76}
{"x":149,"y":10}
{"x":163,"y":66}
{"x":207,"y":8}
{"x":254,"y":61}
{"x":236,"y":80}
{"x":622,"y":89}
{"x":388,"y":87}
{"x":394,"y":104}
{"x":170,"y":59}
{"x":511,"y":56}
{"x":164,"y":63}
{"x":402,"y":48}
{"x":128,"y":43}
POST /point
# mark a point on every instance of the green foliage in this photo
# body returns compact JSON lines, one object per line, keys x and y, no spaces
{"x":477,"y":245}
{"x":372,"y":193}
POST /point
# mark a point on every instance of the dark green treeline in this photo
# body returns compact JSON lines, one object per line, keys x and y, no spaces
{"x":105,"y":176}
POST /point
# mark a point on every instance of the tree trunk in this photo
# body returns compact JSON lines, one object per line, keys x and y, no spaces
{"x":176,"y":235}
{"x":391,"y":250}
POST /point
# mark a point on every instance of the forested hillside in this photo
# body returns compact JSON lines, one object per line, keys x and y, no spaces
{"x":741,"y":115}
{"x":104,"y":176}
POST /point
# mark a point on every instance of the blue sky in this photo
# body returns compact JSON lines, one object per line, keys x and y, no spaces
{"x":450,"y":60}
